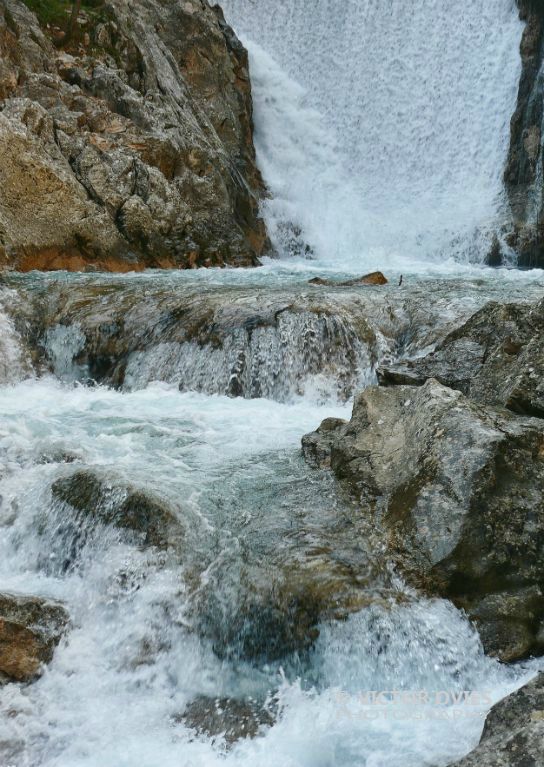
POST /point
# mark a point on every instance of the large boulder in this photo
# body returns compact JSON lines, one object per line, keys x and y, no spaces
{"x":513,"y":735}
{"x":30,"y":629}
{"x":457,"y":489}
{"x":130,"y":146}
{"x":496,"y":358}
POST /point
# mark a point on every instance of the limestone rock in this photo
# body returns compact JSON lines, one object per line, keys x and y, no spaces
{"x":457,"y":489}
{"x":134,"y":151}
{"x":513,"y":735}
{"x":30,"y":629}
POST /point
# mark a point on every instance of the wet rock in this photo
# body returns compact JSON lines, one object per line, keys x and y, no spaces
{"x":374,"y":278}
{"x":457,"y":489}
{"x":228,"y":718}
{"x":513,"y":735}
{"x":136,"y":511}
{"x":496,"y":358}
{"x":134,"y":151}
{"x":30,"y":629}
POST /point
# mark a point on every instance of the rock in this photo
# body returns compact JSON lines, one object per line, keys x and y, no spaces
{"x":457,"y":489}
{"x":513,"y":735}
{"x":228,"y":718}
{"x":374,"y":278}
{"x":496,"y":358}
{"x":30,"y":629}
{"x":135,"y":151}
{"x":97,"y":500}
{"x":525,"y":154}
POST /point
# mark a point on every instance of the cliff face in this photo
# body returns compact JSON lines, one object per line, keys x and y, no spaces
{"x":130,"y":146}
{"x":524,"y":177}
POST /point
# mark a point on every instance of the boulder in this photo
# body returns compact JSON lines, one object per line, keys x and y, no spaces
{"x":456,"y":488}
{"x":30,"y":629}
{"x":496,"y":358}
{"x":97,"y":500}
{"x":129,"y":147}
{"x":513,"y":735}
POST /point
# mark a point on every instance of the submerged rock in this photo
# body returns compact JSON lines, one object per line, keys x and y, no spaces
{"x":457,"y":490}
{"x":513,"y":735}
{"x":99,"y":501}
{"x":228,"y":718}
{"x":30,"y":629}
{"x":130,"y":148}
{"x":496,"y":358}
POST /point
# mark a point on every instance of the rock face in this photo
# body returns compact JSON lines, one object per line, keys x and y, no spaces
{"x":133,"y":150}
{"x":514,"y":731}
{"x":457,"y":489}
{"x":30,"y":628}
{"x":227,"y":718}
{"x":522,"y":176}
{"x":497,"y":358}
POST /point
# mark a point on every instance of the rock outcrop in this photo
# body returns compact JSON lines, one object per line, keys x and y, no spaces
{"x":523,"y":173}
{"x":514,"y":731}
{"x":457,"y":490}
{"x":496,"y":358}
{"x":30,"y":629}
{"x":131,"y":147}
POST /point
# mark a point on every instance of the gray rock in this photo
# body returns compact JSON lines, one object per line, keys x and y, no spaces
{"x":496,"y":358}
{"x":514,"y":731}
{"x":457,"y":490}
{"x":30,"y":629}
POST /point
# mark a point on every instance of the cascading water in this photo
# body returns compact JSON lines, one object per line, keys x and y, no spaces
{"x":382,"y":127}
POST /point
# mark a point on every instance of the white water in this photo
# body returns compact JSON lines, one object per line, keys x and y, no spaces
{"x":104,"y":701}
{"x":382,"y":126}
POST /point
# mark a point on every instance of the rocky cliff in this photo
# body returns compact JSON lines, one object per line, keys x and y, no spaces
{"x":129,"y":143}
{"x":524,"y":172}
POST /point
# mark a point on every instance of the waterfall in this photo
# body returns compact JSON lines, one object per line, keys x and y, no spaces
{"x":382,"y":126}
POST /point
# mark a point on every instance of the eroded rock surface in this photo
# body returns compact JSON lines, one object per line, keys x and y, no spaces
{"x":30,"y":629}
{"x":457,"y":489}
{"x":514,"y":731}
{"x":133,"y":149}
{"x":496,"y":358}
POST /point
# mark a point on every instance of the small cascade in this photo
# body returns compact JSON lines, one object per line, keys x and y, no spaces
{"x":306,"y":353}
{"x":15,"y":362}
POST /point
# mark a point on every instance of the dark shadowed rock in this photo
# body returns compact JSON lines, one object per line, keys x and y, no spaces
{"x":522,"y":181}
{"x":30,"y":629}
{"x":496,"y":358}
{"x":136,"y":511}
{"x":513,"y":735}
{"x":457,"y":489}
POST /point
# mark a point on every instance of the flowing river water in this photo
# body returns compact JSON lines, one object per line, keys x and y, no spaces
{"x":197,"y":388}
